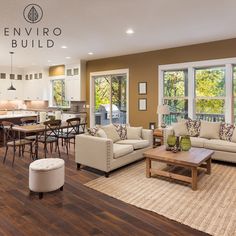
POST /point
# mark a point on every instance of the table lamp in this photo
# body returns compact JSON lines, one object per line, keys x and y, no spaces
{"x":163,"y":110}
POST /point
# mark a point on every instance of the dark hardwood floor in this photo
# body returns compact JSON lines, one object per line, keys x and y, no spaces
{"x":77,"y":210}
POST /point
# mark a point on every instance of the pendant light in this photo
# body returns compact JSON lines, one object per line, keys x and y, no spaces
{"x":12,"y":88}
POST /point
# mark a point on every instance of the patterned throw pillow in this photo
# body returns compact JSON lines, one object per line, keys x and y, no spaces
{"x":226,"y":131}
{"x":93,"y":131}
{"x":121,"y":130}
{"x":193,"y":127}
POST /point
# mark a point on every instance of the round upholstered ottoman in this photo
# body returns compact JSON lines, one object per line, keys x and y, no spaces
{"x":46,"y":175}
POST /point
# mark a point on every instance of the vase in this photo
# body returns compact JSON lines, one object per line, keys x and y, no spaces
{"x":171,"y":140}
{"x":185,"y":143}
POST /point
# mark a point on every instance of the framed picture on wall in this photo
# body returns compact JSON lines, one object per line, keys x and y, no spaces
{"x":142,"y":104}
{"x":142,"y":88}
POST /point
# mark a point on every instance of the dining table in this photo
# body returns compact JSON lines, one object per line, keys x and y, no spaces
{"x":37,"y":129}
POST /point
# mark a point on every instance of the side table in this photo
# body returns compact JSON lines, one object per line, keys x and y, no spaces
{"x":158,"y":137}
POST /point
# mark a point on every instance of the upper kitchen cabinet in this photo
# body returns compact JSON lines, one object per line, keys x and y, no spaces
{"x":75,"y":82}
{"x":35,"y":87}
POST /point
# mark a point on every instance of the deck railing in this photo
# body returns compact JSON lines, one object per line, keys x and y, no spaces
{"x":175,"y":117}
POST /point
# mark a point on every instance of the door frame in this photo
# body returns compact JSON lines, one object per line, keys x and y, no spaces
{"x":91,"y":97}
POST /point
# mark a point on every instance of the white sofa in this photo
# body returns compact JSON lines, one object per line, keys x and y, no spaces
{"x":223,"y":150}
{"x":103,"y":154}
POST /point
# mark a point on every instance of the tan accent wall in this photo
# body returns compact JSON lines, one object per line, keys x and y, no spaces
{"x":143,"y":67}
{"x":57,"y":70}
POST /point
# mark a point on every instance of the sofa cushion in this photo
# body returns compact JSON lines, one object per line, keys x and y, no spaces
{"x":137,"y":144}
{"x":111,"y":132}
{"x":210,"y":130}
{"x":193,"y":127}
{"x":226,"y":131}
{"x":121,"y":150}
{"x":180,"y":128}
{"x":220,"y":145}
{"x":134,"y":133}
{"x":198,"y":142}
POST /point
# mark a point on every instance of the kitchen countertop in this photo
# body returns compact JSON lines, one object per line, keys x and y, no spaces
{"x":9,"y":116}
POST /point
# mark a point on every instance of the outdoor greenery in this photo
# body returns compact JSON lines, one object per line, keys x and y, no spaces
{"x":209,"y":91}
{"x":176,"y":91}
{"x":58,"y":88}
{"x":210,"y":83}
{"x":118,"y":89}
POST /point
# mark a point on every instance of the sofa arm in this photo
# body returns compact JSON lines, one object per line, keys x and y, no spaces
{"x":147,"y":134}
{"x":94,"y":152}
{"x":166,"y":132}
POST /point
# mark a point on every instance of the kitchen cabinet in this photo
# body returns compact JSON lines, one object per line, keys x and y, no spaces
{"x":73,"y":92}
{"x":35,"y":90}
{"x":75,"y":85}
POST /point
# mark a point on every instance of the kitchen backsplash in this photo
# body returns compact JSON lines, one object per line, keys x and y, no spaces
{"x":39,"y":105}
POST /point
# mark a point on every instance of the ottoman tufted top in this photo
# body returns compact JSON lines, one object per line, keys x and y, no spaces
{"x":47,"y":164}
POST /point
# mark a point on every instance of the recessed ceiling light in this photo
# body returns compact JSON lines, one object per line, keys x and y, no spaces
{"x":90,"y":53}
{"x":68,"y":57}
{"x":129,"y":31}
{"x":63,"y":46}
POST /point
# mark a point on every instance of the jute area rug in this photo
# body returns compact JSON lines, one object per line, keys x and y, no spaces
{"x":212,"y":208}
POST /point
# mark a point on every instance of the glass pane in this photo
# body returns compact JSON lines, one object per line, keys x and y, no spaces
{"x":212,"y":109}
{"x":119,"y":99}
{"x":175,"y":83}
{"x":210,"y":82}
{"x":58,"y":91}
{"x":102,"y":100}
{"x":178,"y":110}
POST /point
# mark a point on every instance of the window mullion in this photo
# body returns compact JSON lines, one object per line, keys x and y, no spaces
{"x":191,"y":93}
{"x":229,"y":93}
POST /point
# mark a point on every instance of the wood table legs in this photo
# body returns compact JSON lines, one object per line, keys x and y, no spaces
{"x":148,"y":167}
{"x":208,"y":166}
{"x":194,"y":178}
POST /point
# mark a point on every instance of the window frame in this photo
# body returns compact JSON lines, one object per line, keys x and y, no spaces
{"x":228,"y":63}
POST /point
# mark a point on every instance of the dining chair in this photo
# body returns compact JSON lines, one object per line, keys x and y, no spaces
{"x":50,"y":135}
{"x":29,"y":121}
{"x":10,"y":140}
{"x":73,"y":129}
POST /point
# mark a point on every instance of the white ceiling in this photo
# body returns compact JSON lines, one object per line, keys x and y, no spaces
{"x":99,"y":26}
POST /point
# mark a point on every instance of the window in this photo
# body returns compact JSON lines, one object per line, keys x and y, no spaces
{"x":109,"y":97}
{"x":199,"y":90}
{"x":210,"y":93}
{"x":176,"y":94}
{"x":58,"y":93}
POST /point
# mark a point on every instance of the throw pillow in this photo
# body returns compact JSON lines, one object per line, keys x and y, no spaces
{"x":121,"y":130}
{"x":210,"y":130}
{"x":226,"y":131}
{"x":134,"y":133}
{"x":193,"y":127}
{"x":180,"y":129}
{"x":111,"y":132}
{"x":93,"y":131}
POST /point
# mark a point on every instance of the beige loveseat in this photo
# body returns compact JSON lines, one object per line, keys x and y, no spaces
{"x":104,"y":154}
{"x":209,"y":138}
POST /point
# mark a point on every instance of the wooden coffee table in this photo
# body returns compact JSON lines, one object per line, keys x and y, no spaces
{"x":192,"y":159}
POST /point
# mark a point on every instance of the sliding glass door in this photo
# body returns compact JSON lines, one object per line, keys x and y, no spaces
{"x":109,"y":99}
